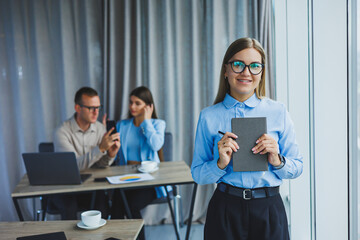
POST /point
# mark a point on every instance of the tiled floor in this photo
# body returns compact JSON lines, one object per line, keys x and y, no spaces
{"x":166,"y":232}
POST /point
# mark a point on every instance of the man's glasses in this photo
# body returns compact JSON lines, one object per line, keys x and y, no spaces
{"x":91,"y":109}
{"x":255,"y":68}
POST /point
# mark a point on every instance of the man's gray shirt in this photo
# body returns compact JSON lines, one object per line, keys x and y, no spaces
{"x":69,"y":137}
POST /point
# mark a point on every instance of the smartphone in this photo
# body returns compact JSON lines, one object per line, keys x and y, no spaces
{"x":103,"y":179}
{"x":109,"y":125}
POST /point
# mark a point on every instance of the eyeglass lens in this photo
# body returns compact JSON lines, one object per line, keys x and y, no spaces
{"x":92,"y":109}
{"x":254,"y":68}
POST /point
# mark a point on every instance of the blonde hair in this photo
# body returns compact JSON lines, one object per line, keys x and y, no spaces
{"x":235,"y":47}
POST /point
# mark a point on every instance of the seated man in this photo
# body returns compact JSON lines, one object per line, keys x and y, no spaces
{"x":92,"y":145}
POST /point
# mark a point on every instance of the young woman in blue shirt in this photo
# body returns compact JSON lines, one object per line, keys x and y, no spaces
{"x":245,"y":205}
{"x":141,"y":137}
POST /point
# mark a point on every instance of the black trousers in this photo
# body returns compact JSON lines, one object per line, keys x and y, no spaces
{"x":231,"y":217}
{"x":137,"y":200}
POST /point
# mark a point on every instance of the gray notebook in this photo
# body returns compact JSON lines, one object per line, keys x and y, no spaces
{"x":248,"y":131}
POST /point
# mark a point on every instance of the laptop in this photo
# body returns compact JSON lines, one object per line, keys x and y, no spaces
{"x":53,"y":168}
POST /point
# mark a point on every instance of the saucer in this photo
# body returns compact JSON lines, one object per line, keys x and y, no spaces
{"x":83,"y":226}
{"x":148,"y":171}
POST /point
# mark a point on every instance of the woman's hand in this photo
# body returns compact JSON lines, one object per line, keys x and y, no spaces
{"x":148,"y":111}
{"x":104,"y":120}
{"x":226,"y":146}
{"x":267,"y":144}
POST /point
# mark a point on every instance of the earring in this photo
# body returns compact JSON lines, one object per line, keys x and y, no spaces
{"x":226,"y":79}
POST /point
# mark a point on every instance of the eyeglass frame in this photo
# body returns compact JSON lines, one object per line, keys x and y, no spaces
{"x":91,"y":109}
{"x":248,"y":66}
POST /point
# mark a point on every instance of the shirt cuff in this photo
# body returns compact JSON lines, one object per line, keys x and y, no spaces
{"x":218,"y":171}
{"x":282,"y":164}
{"x":146,"y":126}
{"x":97,"y":151}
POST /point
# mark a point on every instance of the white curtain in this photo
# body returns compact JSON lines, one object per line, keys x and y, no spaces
{"x":176,"y":48}
{"x":48,"y":50}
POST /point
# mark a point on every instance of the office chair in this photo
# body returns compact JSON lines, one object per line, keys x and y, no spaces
{"x":46,"y":147}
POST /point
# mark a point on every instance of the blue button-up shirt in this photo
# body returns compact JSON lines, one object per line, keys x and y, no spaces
{"x":218,"y":117}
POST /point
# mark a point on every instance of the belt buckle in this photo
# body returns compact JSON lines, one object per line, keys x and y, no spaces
{"x":247,"y":194}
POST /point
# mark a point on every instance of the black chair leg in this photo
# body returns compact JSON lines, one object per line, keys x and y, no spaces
{"x":177,"y":196}
{"x":44,"y":204}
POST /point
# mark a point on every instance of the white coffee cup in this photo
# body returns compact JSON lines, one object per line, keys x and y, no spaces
{"x":148,"y":165}
{"x":91,"y":218}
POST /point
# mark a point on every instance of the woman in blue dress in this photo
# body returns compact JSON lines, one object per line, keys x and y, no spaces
{"x":245,"y":205}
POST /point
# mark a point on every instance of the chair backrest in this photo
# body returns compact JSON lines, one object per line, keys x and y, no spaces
{"x":46,"y":147}
{"x":168,"y":147}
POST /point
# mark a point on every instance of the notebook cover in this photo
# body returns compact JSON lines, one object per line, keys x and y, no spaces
{"x":46,"y":236}
{"x":248,"y":131}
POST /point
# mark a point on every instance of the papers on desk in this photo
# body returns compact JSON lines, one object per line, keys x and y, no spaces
{"x":128,"y":178}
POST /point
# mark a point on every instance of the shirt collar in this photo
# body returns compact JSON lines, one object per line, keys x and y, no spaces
{"x":75,"y":127}
{"x":230,"y":102}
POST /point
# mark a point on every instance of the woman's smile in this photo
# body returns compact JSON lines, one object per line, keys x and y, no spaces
{"x":244,"y":81}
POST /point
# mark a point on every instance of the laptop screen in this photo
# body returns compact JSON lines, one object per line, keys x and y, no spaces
{"x":52,"y":168}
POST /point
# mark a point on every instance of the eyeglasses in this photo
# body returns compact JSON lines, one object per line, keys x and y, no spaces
{"x":91,"y":109}
{"x":255,"y":68}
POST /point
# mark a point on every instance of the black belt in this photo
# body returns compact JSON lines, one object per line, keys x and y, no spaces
{"x":248,"y":194}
